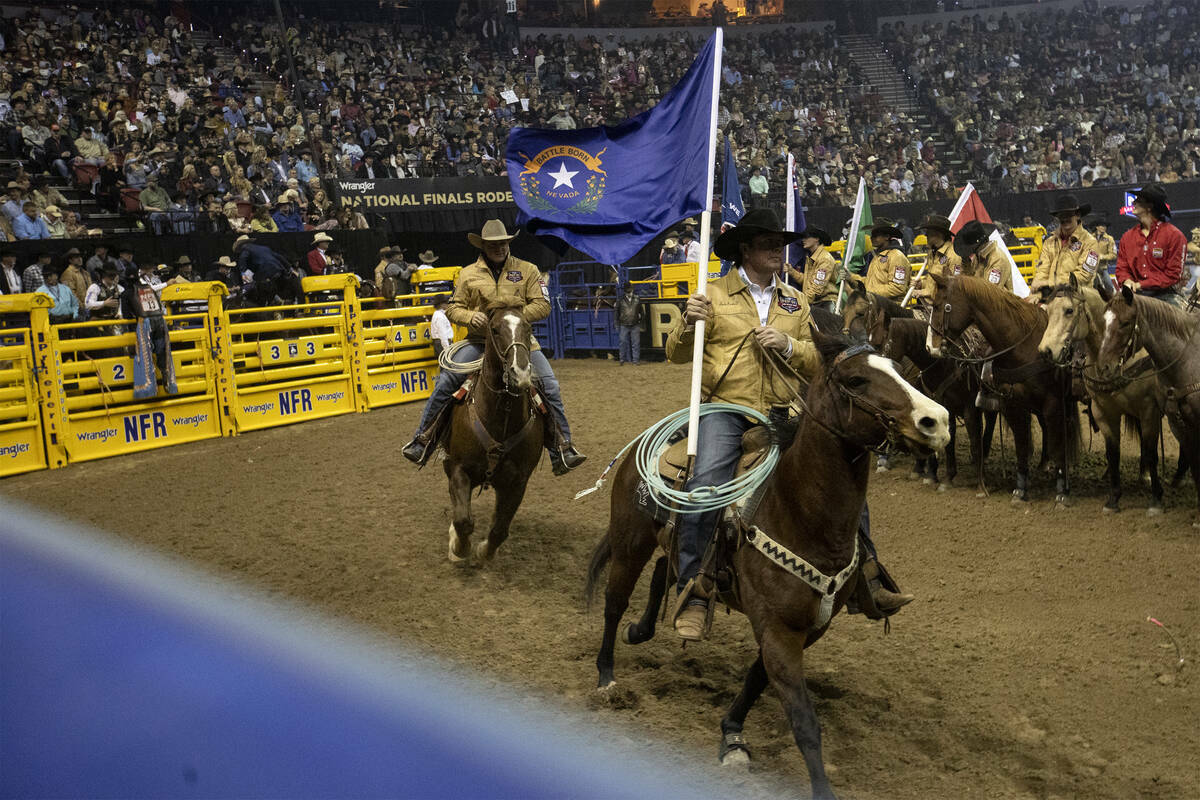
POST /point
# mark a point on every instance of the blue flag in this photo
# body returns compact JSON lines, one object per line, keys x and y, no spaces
{"x":732,"y":207}
{"x":609,"y":191}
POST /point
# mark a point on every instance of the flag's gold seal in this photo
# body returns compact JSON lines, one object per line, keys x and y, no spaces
{"x":563,"y":178}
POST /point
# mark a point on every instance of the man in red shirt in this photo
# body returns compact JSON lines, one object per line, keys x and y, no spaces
{"x":1150,"y":256}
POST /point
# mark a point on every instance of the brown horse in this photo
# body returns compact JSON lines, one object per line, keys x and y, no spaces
{"x":495,"y":438}
{"x":863,"y":311}
{"x":1077,"y":321}
{"x":1172,"y":338}
{"x":943,"y":380}
{"x":1030,"y":384}
{"x":857,"y":402}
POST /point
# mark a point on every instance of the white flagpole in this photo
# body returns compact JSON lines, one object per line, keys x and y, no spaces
{"x":705,"y":236}
{"x":851,"y":242}
{"x":791,"y":212}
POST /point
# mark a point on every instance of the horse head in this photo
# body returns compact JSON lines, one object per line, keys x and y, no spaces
{"x":866,"y":402}
{"x":950,"y":313}
{"x":857,"y":313}
{"x":1120,"y":331}
{"x":510,"y":339}
{"x":1067,"y":309}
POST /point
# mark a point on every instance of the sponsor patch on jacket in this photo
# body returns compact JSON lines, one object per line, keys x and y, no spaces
{"x":958,"y":268}
{"x":1157,"y":252}
{"x":943,"y":260}
{"x":994,"y":275}
{"x":900,"y":275}
{"x":1091,"y":260}
{"x":514,"y":275}
{"x":545,"y":289}
{"x":789,"y":304}
{"x":820,"y":275}
{"x":1076,"y":246}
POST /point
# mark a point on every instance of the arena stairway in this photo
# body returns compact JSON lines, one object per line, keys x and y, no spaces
{"x":898,"y":91}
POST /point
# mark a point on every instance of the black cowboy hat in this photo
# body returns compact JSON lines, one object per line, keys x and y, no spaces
{"x":1096,"y":219}
{"x":1068,"y":204}
{"x":886,"y":226}
{"x":935,"y":222}
{"x":756,"y":222}
{"x":817,"y":233}
{"x":1156,"y":196}
{"x":971,"y":237}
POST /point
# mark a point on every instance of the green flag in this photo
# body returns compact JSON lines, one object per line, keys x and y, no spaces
{"x":856,"y":248}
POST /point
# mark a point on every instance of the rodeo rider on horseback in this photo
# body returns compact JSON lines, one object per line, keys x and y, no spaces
{"x":496,"y":274}
{"x":745,"y":300}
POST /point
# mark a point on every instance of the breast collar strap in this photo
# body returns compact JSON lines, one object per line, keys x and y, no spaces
{"x":825,"y":586}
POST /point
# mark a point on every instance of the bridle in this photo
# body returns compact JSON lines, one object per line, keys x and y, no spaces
{"x":502,"y":354}
{"x":946,"y":309}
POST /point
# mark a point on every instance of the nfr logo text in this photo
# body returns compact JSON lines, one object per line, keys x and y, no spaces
{"x":295,"y":401}
{"x":142,"y":427}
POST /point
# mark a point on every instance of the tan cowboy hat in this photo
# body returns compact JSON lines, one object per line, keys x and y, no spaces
{"x":493,"y":231}
{"x":182,"y":260}
{"x":241,"y":240}
{"x":53,"y":210}
{"x":669,"y":243}
{"x":428,"y":257}
{"x":225,"y":261}
{"x":322,"y":237}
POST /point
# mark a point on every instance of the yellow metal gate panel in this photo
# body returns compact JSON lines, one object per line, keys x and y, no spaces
{"x":291,"y":369}
{"x":22,"y":442}
{"x":401,"y":366}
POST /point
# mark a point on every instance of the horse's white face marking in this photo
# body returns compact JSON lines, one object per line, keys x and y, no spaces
{"x":937,"y":435}
{"x":936,"y":352}
{"x":522,"y":375}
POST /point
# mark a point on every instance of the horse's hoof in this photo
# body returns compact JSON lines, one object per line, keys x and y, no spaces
{"x":480,"y":553}
{"x":882,"y":468}
{"x":927,"y":481}
{"x":733,"y":751}
{"x":454,"y":557}
{"x":943,"y":487}
{"x":914,"y":476}
{"x":1110,"y":509}
{"x":606,"y":687}
{"x":627,"y":633}
{"x":1058,"y":506}
{"x":738,"y":759}
{"x":1154,"y":511}
{"x":1019,"y":499}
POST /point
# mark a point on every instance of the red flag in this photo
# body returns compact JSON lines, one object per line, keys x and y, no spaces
{"x":968,"y":207}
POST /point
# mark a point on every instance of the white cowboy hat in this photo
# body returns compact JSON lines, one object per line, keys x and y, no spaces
{"x":241,"y":240}
{"x":428,"y":257}
{"x":225,"y":261}
{"x":322,"y":237}
{"x":493,"y":231}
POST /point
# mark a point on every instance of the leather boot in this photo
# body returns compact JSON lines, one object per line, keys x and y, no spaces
{"x":419,"y":449}
{"x":886,"y":601}
{"x":563,"y":455}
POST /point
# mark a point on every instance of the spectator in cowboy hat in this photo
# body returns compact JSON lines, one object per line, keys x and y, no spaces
{"x":286,"y":215}
{"x":1151,"y":253}
{"x":941,"y":258}
{"x":497,"y":274}
{"x":184,"y":272}
{"x":671,"y":252}
{"x":125,"y":263}
{"x":54,"y":222}
{"x":1071,"y":250}
{"x":73,"y":276}
{"x":889,"y":271}
{"x":427,"y":259}
{"x":318,"y":259}
{"x":225,"y":270}
{"x":981,"y":256}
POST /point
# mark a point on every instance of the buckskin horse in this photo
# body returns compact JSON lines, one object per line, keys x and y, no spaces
{"x":495,"y":437}
{"x":1172,"y":338}
{"x":856,"y":403}
{"x":1076,"y":320}
{"x":1029,"y":384}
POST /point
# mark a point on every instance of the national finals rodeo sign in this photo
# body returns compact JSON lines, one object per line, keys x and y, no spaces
{"x":413,"y":194}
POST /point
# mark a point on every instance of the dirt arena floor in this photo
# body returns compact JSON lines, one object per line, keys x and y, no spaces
{"x":1026,"y":668}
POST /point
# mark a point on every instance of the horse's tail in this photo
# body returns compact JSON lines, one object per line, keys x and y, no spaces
{"x":600,"y":556}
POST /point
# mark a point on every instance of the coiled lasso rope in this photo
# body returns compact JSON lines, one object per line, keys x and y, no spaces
{"x":446,"y":359}
{"x":654,"y":441}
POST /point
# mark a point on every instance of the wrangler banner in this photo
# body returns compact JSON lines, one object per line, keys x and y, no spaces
{"x":410,"y":204}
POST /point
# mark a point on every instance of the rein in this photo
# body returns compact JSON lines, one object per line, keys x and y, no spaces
{"x":946,"y":309}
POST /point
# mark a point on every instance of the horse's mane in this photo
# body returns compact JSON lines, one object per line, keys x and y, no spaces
{"x":893,"y":309}
{"x":908,"y":333}
{"x":827,"y":321}
{"x":1162,"y":315}
{"x":504,"y":304}
{"x":984,"y":295}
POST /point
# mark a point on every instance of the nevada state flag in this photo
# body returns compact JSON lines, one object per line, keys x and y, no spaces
{"x":609,"y":191}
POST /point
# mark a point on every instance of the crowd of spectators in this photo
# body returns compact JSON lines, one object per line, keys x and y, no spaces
{"x":215,"y":138}
{"x":1064,"y":98}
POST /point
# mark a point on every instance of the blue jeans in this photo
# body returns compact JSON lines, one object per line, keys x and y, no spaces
{"x":717,"y":456}
{"x":449,"y":382}
{"x":630,"y":343}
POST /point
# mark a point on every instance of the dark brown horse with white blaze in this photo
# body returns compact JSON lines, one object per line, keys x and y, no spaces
{"x":1172,"y":338}
{"x":812,"y":507}
{"x":495,"y":438}
{"x":1077,"y":323}
{"x":1030,"y":384}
